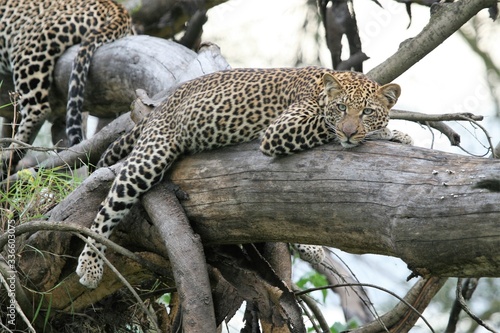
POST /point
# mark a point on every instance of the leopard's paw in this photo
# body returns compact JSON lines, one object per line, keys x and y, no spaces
{"x":391,"y":135}
{"x":401,"y":137}
{"x":90,"y":268}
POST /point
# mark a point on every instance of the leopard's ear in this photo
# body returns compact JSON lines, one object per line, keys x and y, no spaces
{"x":332,"y":85}
{"x":391,"y":93}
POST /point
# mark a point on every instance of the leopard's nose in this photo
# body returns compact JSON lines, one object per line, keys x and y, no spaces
{"x":349,"y":130}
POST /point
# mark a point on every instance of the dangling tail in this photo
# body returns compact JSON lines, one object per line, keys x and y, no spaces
{"x":119,"y":26}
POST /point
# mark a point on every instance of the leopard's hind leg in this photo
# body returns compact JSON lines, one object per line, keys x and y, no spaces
{"x":34,"y":103}
{"x":144,"y":167}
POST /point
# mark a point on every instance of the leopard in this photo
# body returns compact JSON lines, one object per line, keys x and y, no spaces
{"x":289,"y":109}
{"x":33,"y":35}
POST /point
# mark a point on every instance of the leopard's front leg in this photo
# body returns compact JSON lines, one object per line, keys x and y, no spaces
{"x":298,"y":128}
{"x":391,"y":135}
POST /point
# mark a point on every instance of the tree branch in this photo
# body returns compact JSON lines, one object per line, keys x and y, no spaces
{"x":469,"y":288}
{"x":355,"y":304}
{"x":424,"y":117}
{"x":367,"y":200}
{"x":402,"y":318}
{"x":187,"y":257}
{"x":446,"y":18}
{"x":436,"y":121}
{"x":465,"y":307}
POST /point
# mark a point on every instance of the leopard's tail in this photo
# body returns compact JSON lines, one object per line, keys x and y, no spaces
{"x":122,"y":146}
{"x":119,"y":26}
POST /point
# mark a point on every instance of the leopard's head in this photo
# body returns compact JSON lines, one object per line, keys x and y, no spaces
{"x":356,"y":105}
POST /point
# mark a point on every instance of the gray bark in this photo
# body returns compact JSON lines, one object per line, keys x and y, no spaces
{"x":412,"y":203}
{"x":416,"y":204}
{"x":185,"y":252}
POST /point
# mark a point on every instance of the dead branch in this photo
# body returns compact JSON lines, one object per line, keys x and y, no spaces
{"x":436,"y":121}
{"x":22,"y":304}
{"x":316,"y":312}
{"x":469,"y":286}
{"x":424,"y":117}
{"x":465,"y":307}
{"x":446,"y":18}
{"x":354,"y":301}
{"x":402,"y":318}
{"x":186,"y":254}
{"x":237,"y":187}
{"x":241,"y":187}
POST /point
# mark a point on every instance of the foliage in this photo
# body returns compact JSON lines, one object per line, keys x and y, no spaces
{"x":338,"y":327}
{"x":313,"y":279}
{"x":35,"y":193}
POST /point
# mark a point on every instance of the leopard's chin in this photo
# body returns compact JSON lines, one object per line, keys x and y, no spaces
{"x":349,"y":144}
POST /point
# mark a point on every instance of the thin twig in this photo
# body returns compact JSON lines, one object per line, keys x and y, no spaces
{"x":19,"y":309}
{"x":369,"y":286}
{"x":24,"y":145}
{"x":470,"y":286}
{"x":304,"y":305}
{"x":466,"y":309}
{"x":488,"y":136}
{"x":123,"y":280}
{"x":5,"y":328}
{"x":311,"y":304}
{"x":365,"y":300}
{"x":435,"y":121}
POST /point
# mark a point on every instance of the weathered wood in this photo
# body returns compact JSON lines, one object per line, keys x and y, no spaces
{"x":144,"y":62}
{"x":185,"y":252}
{"x":412,"y":203}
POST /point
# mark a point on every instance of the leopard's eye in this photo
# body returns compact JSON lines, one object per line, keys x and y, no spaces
{"x":368,"y":111}
{"x":341,"y":107}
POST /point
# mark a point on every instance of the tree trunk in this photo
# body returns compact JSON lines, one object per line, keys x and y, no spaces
{"x":413,"y":203}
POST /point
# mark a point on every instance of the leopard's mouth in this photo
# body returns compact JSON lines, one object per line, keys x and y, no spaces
{"x":345,"y":141}
{"x":349,"y":144}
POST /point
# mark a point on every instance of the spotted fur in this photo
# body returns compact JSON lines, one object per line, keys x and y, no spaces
{"x":34,"y":34}
{"x":291,"y":109}
{"x":313,"y":254}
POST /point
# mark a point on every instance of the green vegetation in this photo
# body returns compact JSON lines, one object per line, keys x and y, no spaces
{"x":34,"y":194}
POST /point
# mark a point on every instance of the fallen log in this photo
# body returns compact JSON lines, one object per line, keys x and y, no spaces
{"x":416,"y":204}
{"x":412,"y":203}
